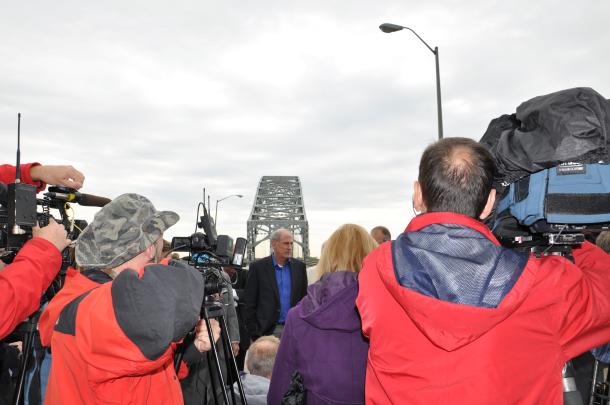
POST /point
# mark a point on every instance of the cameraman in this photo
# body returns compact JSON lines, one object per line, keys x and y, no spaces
{"x":453,"y":317}
{"x":114,"y":327}
{"x":23,"y":282}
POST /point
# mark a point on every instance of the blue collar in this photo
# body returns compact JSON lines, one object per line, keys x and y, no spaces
{"x":275,"y":263}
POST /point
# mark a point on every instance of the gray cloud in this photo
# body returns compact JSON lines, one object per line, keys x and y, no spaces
{"x":166,"y":99}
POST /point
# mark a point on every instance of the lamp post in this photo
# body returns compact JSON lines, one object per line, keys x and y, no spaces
{"x":222,"y":199}
{"x":388,"y":28}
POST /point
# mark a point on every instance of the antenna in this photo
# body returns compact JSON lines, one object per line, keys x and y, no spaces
{"x":21,"y":203}
{"x":17,"y":167}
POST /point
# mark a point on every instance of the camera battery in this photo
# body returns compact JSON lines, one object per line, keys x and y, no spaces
{"x":21,"y":205}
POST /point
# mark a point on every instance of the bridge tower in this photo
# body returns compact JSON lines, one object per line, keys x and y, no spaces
{"x":278,"y":204}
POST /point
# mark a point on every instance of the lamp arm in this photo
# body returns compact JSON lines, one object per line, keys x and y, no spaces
{"x":420,"y":38}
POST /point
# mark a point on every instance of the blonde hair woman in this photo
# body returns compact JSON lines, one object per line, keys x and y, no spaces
{"x":322,"y":338}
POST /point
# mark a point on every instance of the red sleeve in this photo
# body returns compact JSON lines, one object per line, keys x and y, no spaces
{"x":7,"y":175}
{"x":23,"y":282}
{"x":585,"y":305}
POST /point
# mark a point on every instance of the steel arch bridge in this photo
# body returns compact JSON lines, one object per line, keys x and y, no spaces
{"x":278,"y":204}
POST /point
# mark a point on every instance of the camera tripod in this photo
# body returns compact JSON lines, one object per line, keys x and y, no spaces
{"x":213,"y":309}
{"x":29,"y":328}
{"x":600,"y":390}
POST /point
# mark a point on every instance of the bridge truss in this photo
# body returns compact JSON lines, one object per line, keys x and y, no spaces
{"x":278,"y":204}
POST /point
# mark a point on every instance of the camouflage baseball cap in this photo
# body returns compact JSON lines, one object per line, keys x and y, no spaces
{"x":120,"y":231}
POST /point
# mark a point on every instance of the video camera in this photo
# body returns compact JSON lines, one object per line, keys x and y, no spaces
{"x":19,"y":213}
{"x":555,"y":209}
{"x":209,"y":252}
{"x":21,"y":210}
{"x":553,"y":176}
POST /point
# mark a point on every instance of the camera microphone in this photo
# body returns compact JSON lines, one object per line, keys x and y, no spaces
{"x":90,"y":200}
{"x":86,"y":200}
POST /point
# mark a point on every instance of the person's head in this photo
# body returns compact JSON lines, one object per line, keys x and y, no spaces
{"x":456,"y":175}
{"x":281,"y":244}
{"x":603,"y":241}
{"x":345,"y":250}
{"x":381,"y":234}
{"x":127,"y":232}
{"x":260,"y":357}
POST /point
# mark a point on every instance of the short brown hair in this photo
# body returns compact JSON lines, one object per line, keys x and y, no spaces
{"x":385,"y":231}
{"x":456,"y":175}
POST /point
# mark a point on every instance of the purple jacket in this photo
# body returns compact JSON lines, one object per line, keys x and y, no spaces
{"x":322,"y":339}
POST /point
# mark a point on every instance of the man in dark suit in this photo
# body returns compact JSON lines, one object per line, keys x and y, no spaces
{"x":275,"y":284}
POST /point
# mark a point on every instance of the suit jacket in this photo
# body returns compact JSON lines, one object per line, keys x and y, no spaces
{"x":262,"y":297}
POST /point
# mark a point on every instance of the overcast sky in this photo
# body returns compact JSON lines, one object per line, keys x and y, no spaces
{"x":165,"y":98}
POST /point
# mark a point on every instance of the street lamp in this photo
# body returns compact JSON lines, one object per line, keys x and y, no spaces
{"x":222,"y":199}
{"x":388,"y":28}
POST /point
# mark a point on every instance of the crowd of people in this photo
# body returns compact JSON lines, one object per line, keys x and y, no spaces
{"x":441,"y":314}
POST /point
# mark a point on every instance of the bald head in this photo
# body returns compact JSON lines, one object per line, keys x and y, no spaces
{"x":260,"y":357}
{"x":456,"y":175}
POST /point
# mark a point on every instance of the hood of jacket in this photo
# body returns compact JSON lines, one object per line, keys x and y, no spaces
{"x":329,"y":299}
{"x":453,"y":279}
{"x":255,"y":388}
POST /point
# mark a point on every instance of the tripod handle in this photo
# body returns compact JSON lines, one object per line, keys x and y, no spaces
{"x":179,"y":354}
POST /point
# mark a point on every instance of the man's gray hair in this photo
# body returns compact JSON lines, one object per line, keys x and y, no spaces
{"x":260,"y":357}
{"x":275,"y":235}
{"x":603,"y":241}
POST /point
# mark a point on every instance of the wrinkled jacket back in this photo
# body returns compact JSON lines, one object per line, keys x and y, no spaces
{"x":434,"y":342}
{"x":323,"y":341}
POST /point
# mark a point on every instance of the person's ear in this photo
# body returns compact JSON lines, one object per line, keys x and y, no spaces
{"x":489,"y":205}
{"x":151,"y":252}
{"x":418,"y":198}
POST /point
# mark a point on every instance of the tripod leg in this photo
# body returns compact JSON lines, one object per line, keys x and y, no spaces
{"x":216,"y":361}
{"x":212,"y":379}
{"x":232,"y":365}
{"x":231,"y":377}
{"x":26,"y":353}
{"x":226,"y":342}
{"x":179,"y":354}
{"x":594,"y":382}
{"x":571,"y":395}
{"x":231,"y":374}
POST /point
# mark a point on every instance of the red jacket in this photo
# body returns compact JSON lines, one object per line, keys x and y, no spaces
{"x":23,"y":282}
{"x":426,"y":350}
{"x":7,"y":175}
{"x":114,"y":343}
